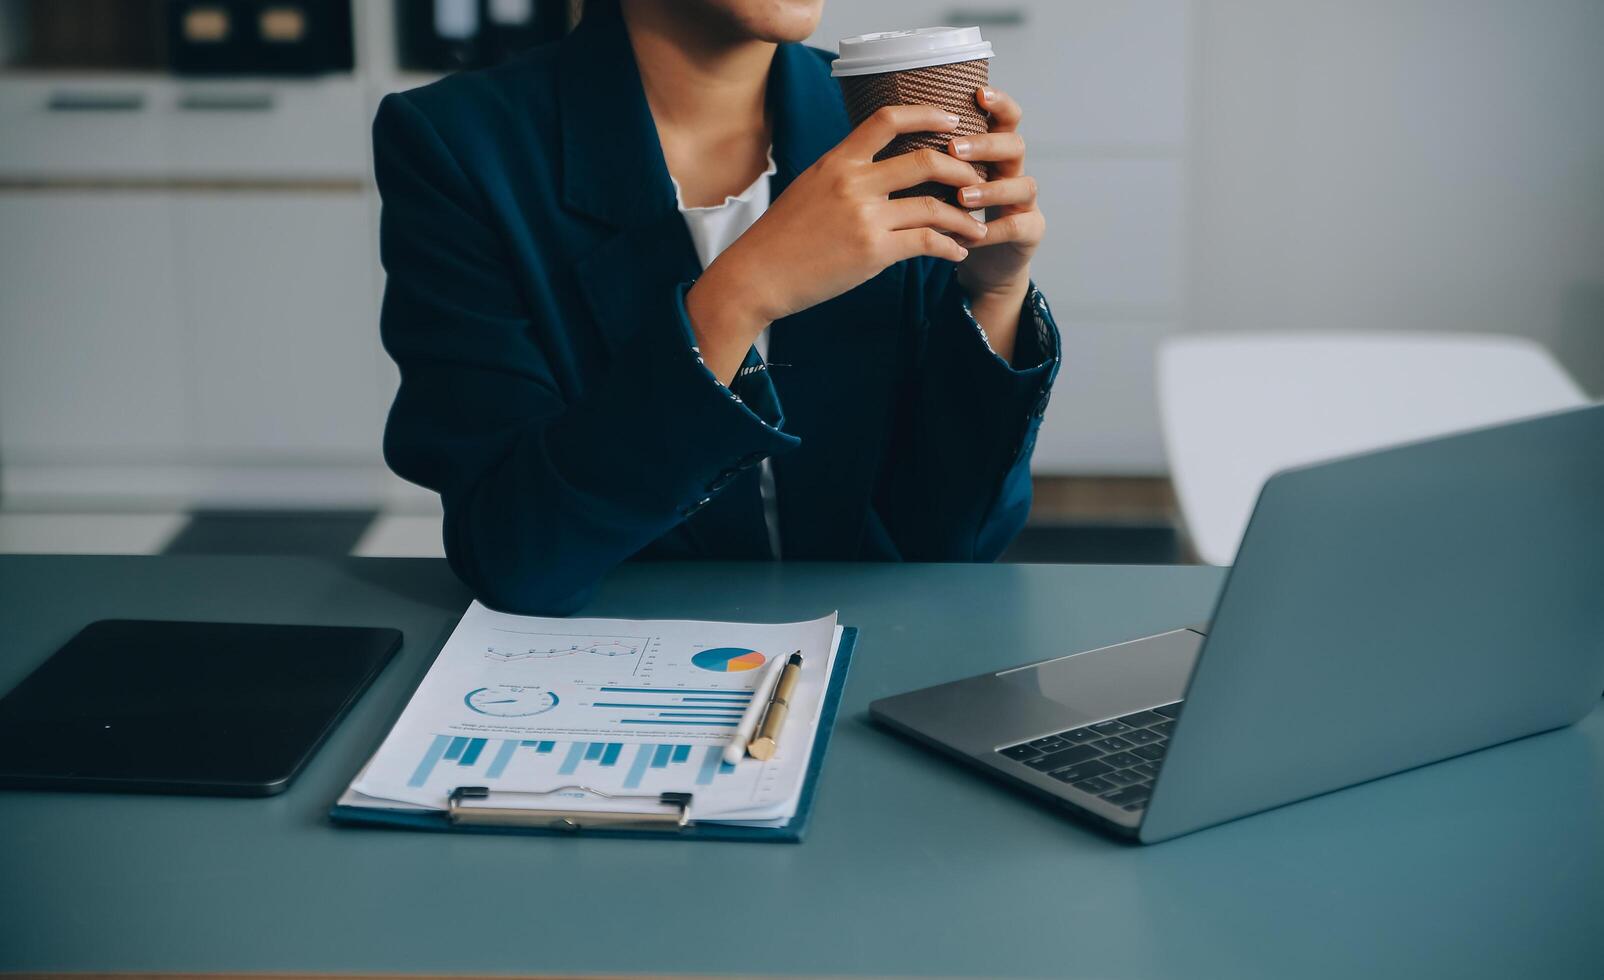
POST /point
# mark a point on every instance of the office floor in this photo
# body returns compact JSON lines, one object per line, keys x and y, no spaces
{"x":1104,"y":520}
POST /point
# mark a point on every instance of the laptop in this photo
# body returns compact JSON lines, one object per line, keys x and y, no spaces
{"x":1386,"y":611}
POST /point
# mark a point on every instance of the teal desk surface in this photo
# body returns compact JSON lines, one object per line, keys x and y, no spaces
{"x":1487,"y":865}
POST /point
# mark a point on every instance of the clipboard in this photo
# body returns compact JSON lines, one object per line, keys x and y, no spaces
{"x":473,"y":810}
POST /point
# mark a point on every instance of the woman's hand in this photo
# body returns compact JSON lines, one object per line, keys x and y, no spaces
{"x":833,"y":229}
{"x":997,"y":274}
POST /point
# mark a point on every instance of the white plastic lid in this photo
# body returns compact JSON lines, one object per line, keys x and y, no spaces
{"x":871,"y":54}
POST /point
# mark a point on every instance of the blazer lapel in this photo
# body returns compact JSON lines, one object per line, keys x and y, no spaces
{"x":613,"y":171}
{"x":833,"y":364}
{"x":613,"y":166}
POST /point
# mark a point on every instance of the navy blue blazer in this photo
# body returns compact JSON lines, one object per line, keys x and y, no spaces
{"x":550,"y":391}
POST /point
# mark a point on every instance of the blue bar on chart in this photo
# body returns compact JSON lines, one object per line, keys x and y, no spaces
{"x":431,"y":758}
{"x":610,"y":754}
{"x":660,"y":692}
{"x":593,"y":751}
{"x":734,"y":706}
{"x":576,"y":752}
{"x":454,"y":750}
{"x":681,"y":753}
{"x":710,"y":764}
{"x":678,"y":723}
{"x":726,"y":715}
{"x":470,"y":755}
{"x":660,"y":757}
{"x":637,"y":769}
{"x":498,"y":765}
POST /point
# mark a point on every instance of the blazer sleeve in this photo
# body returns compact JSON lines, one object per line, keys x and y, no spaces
{"x":543,"y":493}
{"x":955,"y":483}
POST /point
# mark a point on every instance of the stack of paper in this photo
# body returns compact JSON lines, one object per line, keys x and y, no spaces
{"x":601,"y":714}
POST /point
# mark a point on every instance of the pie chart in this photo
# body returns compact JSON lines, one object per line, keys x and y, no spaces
{"x":728,"y":660}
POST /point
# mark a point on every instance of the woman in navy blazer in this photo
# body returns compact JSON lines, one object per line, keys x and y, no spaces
{"x":580,"y":391}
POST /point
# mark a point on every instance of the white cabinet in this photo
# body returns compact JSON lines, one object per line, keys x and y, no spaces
{"x":140,"y":126}
{"x":94,"y":363}
{"x":189,"y":289}
{"x":280,"y":293}
{"x":90,"y":125}
{"x":187,"y":339}
{"x":285,"y":129}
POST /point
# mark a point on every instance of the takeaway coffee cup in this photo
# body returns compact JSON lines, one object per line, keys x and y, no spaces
{"x":939,"y":66}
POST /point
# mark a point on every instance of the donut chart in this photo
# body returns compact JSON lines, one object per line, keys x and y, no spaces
{"x":728,"y":660}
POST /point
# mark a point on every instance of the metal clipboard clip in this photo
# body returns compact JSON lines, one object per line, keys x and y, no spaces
{"x":472,"y":806}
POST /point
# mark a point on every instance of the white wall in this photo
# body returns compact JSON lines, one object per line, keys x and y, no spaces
{"x":1401,"y":164}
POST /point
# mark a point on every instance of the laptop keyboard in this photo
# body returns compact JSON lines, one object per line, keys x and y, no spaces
{"x":1116,"y":760}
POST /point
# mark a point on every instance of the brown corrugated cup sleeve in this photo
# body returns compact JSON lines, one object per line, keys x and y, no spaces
{"x":951,"y":87}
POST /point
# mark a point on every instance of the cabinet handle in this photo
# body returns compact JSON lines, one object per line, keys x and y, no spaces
{"x":226,"y":102}
{"x":95,"y":101}
{"x":986,"y":17}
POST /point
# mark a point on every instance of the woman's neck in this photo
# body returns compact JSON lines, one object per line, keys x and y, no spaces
{"x":707,"y":89}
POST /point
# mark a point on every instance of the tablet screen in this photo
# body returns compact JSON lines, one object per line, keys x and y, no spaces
{"x":216,"y":708}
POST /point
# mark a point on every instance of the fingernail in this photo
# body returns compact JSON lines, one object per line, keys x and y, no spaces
{"x":964,"y":255}
{"x":952,"y":121}
{"x":961,"y":148}
{"x":988,"y":93}
{"x":969,"y":195}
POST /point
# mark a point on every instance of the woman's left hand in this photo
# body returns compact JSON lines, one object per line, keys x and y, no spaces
{"x":999,"y":264}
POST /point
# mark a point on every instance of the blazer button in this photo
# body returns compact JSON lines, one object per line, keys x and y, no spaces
{"x":723,"y":480}
{"x":690,"y":509}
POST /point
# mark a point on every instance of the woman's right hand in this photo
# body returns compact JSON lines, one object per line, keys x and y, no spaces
{"x":834,"y":228}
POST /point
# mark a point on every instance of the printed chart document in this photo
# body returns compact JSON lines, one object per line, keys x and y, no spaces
{"x":602,"y":714}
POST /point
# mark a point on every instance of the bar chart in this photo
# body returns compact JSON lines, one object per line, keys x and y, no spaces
{"x":464,"y":760}
{"x":710,"y":708}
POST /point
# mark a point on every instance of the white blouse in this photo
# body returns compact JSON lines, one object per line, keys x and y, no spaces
{"x":712,"y":230}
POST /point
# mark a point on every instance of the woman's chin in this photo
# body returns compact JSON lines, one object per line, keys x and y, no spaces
{"x":778,"y":21}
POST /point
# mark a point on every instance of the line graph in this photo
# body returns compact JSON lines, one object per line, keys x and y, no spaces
{"x":523,"y":647}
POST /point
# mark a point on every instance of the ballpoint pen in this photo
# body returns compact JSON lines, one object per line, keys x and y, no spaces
{"x":735,"y":751}
{"x":767,"y":741}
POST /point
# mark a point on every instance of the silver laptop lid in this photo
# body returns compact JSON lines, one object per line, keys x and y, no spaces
{"x":1396,"y":608}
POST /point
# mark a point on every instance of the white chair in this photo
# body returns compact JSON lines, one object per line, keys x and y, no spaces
{"x":1236,"y":408}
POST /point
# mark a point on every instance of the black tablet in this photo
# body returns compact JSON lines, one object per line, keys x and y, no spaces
{"x":228,"y":709}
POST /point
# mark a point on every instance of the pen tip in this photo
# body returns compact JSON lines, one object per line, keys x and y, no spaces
{"x":796,"y":660}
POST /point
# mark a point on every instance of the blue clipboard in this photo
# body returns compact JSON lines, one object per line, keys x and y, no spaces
{"x":791,"y":833}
